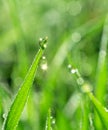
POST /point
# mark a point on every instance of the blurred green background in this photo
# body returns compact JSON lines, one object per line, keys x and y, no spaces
{"x":74,"y":29}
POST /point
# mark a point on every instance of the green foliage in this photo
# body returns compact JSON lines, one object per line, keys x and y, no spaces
{"x":23,"y":93}
{"x":102,"y":111}
{"x":48,"y":121}
{"x":78,"y":36}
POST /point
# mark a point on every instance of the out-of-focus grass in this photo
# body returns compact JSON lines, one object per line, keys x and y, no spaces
{"x":75,"y":30}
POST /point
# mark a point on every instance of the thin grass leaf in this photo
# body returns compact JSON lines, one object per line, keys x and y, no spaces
{"x":101,"y":110}
{"x":61,"y":54}
{"x":85,"y":112}
{"x":101,"y":67}
{"x":48,"y":121}
{"x":23,"y":93}
{"x":101,"y":77}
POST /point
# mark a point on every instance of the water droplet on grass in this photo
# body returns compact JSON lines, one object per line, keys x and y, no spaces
{"x":69,"y":66}
{"x":42,"y":42}
{"x":80,"y":81}
{"x":4,"y":116}
{"x":76,"y":37}
{"x":44,"y":66}
{"x":53,"y":121}
{"x":43,"y":57}
{"x":73,"y":71}
{"x":106,"y":109}
{"x":86,"y":88}
{"x":40,"y":39}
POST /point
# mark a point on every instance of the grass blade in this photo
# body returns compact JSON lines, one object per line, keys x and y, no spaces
{"x":48,"y":121}
{"x":23,"y":93}
{"x":101,"y":80}
{"x":85,"y":113}
{"x":101,"y":110}
{"x":101,"y":67}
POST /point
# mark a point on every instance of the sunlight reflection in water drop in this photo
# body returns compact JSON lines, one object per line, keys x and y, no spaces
{"x":73,"y":71}
{"x":44,"y":66}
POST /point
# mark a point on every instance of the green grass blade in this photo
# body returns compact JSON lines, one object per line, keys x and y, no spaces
{"x":101,"y":77}
{"x":23,"y":93}
{"x":101,"y":67}
{"x":48,"y":121}
{"x":101,"y":110}
{"x":85,"y":113}
{"x":61,"y":54}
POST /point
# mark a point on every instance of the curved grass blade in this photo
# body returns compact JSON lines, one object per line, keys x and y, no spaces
{"x":101,"y":81}
{"x":102,"y":67}
{"x":101,"y":110}
{"x":21,"y":98}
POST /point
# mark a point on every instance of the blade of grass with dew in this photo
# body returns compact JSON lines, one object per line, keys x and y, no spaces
{"x":84,"y":99}
{"x":101,"y":110}
{"x":20,"y":100}
{"x":88,"y":28}
{"x":101,"y":80}
{"x":101,"y":67}
{"x":48,"y":121}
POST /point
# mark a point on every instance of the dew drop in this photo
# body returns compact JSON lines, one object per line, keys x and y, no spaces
{"x":106,"y":109}
{"x":43,"y":57}
{"x":4,"y":116}
{"x":40,"y":39}
{"x":42,"y":42}
{"x":44,"y":46}
{"x":44,"y":66}
{"x":73,"y":71}
{"x":80,"y":81}
{"x":69,"y":66}
{"x":76,"y":37}
{"x":51,"y":117}
{"x":86,"y":88}
{"x":53,"y":121}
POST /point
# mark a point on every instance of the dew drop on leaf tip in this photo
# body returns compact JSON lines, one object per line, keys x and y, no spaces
{"x":42,"y":42}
